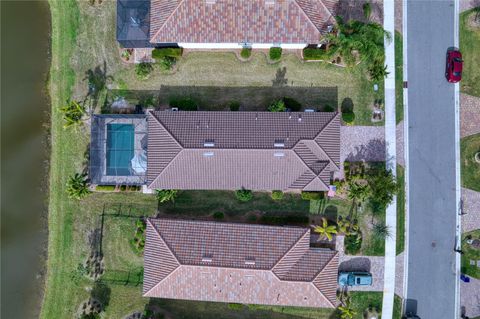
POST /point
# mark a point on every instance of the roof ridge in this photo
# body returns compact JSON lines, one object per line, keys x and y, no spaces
{"x":308,"y":17}
{"x":321,"y":131}
{"x":335,"y":255}
{"x":307,"y":232}
{"x":166,"y":20}
{"x":169,"y":249}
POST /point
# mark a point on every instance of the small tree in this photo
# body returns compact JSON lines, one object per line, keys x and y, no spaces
{"x":244,"y":195}
{"x":166,"y":195}
{"x":277,"y":106}
{"x":346,"y":312}
{"x":77,"y":186}
{"x":277,"y":195}
{"x":325,"y":230}
{"x":73,"y":112}
{"x":143,"y":70}
{"x":275,"y":53}
{"x":383,"y":187}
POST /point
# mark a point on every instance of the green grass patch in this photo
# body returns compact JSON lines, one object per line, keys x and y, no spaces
{"x":397,"y":307}
{"x":470,"y":254}
{"x":400,"y":242}
{"x":470,"y":48}
{"x":361,"y":301}
{"x":470,"y":169}
{"x":398,"y":77}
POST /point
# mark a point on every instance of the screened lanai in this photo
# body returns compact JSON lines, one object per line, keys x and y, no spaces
{"x":118,"y":149}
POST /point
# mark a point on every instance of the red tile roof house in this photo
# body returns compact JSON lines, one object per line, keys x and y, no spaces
{"x":237,"y":263}
{"x":225,"y":24}
{"x":262,"y":151}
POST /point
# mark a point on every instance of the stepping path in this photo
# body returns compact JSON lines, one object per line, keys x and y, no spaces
{"x":470,"y":297}
{"x":471,"y":210}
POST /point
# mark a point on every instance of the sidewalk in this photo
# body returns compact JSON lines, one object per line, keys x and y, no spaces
{"x":390,"y":139}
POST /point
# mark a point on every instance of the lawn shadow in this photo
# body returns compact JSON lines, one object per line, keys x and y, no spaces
{"x":97,"y":79}
{"x":280,"y":79}
{"x":219,"y":98}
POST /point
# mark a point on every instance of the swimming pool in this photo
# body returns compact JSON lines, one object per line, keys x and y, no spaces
{"x":120,"y":149}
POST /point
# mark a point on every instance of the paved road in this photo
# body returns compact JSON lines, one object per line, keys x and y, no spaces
{"x":432,"y":197}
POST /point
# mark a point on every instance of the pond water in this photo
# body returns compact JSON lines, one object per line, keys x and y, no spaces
{"x":25,"y":60}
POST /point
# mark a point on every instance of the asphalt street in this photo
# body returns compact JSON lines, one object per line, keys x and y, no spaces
{"x":432,"y":202}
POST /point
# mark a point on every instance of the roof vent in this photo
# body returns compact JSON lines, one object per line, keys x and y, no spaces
{"x":250,"y":261}
{"x":279,"y":143}
{"x":299,"y":118}
{"x":208,"y":154}
{"x":207,"y":258}
{"x":279,"y":154}
{"x":209,"y":143}
{"x":270,"y":2}
{"x":210,"y":1}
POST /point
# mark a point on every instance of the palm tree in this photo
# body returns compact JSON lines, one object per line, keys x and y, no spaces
{"x":357,"y":192}
{"x":346,"y":312}
{"x":165,"y":195}
{"x":77,"y":187}
{"x":325,"y":230}
{"x":381,"y":231}
{"x":73,"y":112}
{"x":378,"y":71}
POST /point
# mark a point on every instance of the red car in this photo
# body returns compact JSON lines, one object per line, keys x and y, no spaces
{"x":453,"y":72}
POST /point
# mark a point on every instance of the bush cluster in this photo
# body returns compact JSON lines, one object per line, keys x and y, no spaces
{"x":319,"y":54}
{"x":244,"y":195}
{"x":246,"y":53}
{"x":143,"y":70}
{"x":292,"y":104}
{"x":218,"y":215}
{"x":277,"y":106}
{"x":234,"y":106}
{"x":159,"y":53}
{"x":275,"y":53}
{"x":277,"y":195}
{"x":184,"y":104}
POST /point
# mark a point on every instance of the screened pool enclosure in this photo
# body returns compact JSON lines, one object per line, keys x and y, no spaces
{"x":118,"y":149}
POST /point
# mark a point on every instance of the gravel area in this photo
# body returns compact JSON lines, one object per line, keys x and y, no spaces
{"x":398,"y":15}
{"x":470,"y":297}
{"x":362,"y":143}
{"x":471,"y":210}
{"x":469,"y":115}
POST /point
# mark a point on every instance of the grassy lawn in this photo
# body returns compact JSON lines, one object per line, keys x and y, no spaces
{"x":398,"y":76}
{"x":470,"y":253}
{"x":470,"y":46}
{"x":469,"y":146}
{"x":360,"y":301}
{"x":397,"y":307}
{"x":400,"y":210}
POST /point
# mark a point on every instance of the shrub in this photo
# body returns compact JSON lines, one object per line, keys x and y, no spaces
{"x":72,"y":113}
{"x":165,"y":195}
{"x":246,"y":53}
{"x":234,"y":106}
{"x":160,"y":53}
{"x":235,"y":306}
{"x":218,"y":215}
{"x":77,"y":187}
{"x":105,"y":188}
{"x":167,"y":62}
{"x":277,"y":106}
{"x":184,"y":104}
{"x":347,"y":105}
{"x":313,"y":195}
{"x":251,"y":218}
{"x":353,"y":243}
{"x":367,"y":10}
{"x":277,"y":195}
{"x":348,"y":117}
{"x":319,"y":54}
{"x":138,"y":241}
{"x":143,"y":70}
{"x":275,"y":53}
{"x":244,"y":195}
{"x":292,"y":104}
{"x":328,"y":108}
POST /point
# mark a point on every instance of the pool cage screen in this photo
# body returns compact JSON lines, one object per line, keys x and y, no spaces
{"x":118,"y":150}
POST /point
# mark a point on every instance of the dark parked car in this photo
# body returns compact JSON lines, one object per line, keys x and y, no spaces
{"x":453,"y":72}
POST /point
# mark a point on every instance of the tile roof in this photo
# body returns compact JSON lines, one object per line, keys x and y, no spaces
{"x":231,"y":150}
{"x":239,"y":21}
{"x":237,"y":263}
